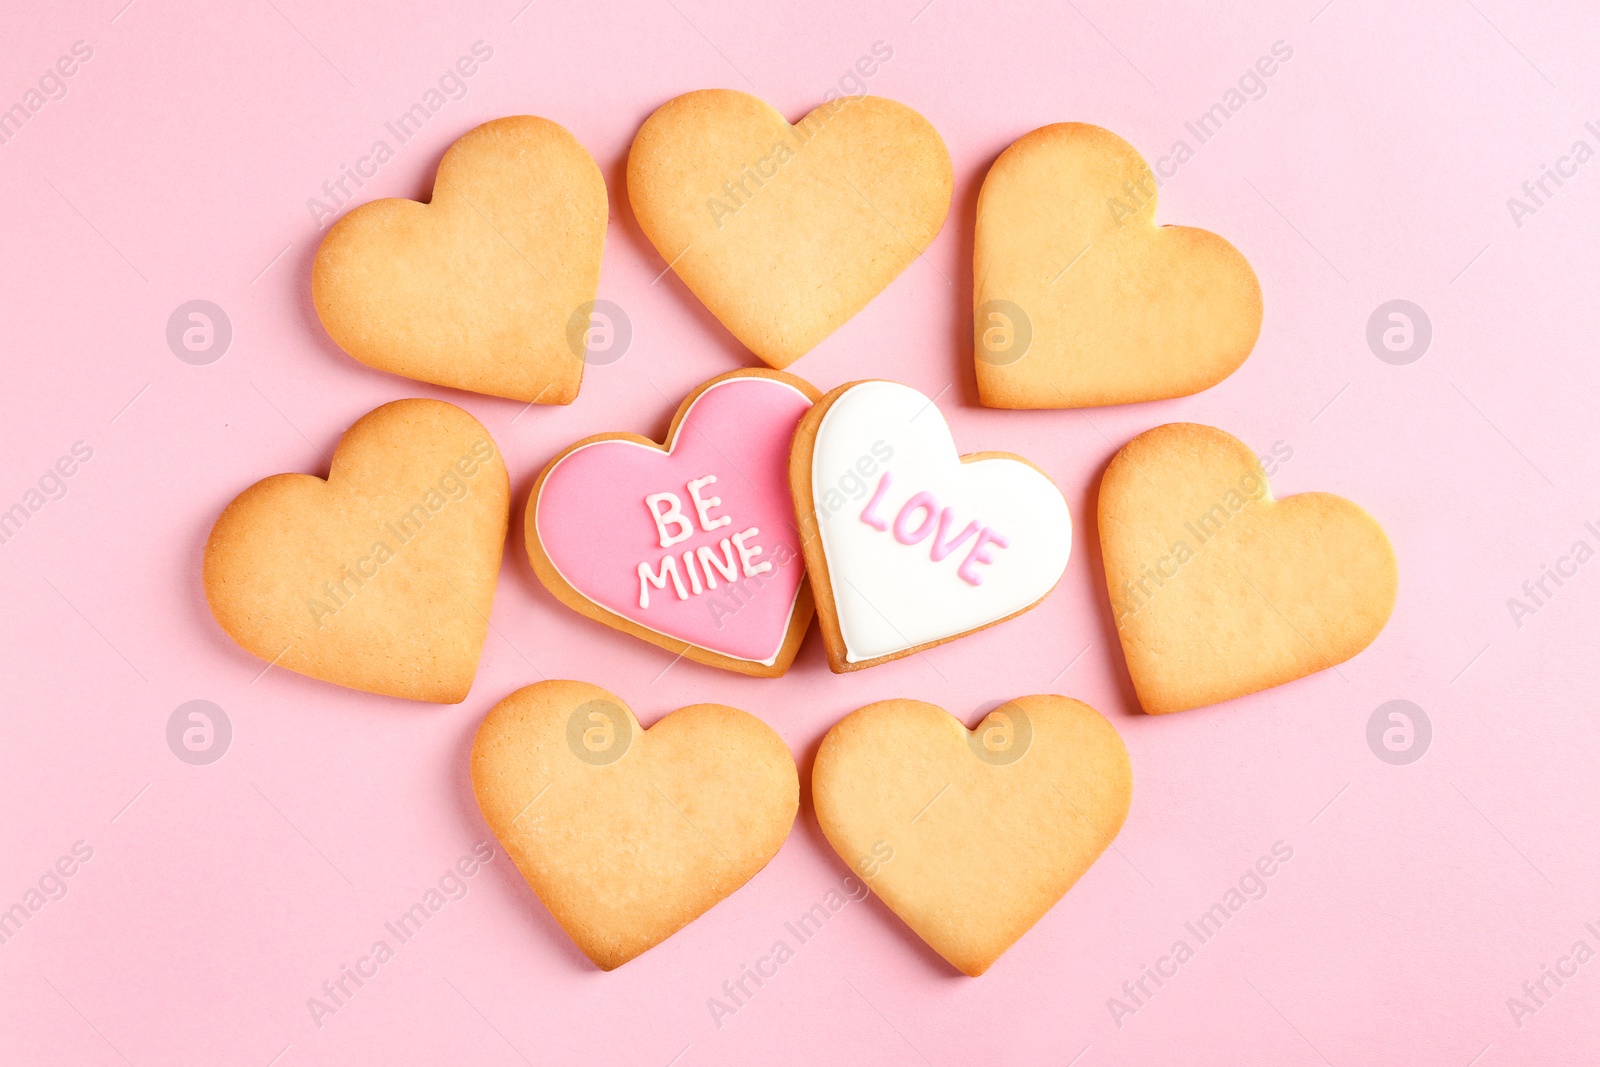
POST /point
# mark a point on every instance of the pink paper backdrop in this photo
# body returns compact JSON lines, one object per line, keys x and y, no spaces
{"x":219,"y":898}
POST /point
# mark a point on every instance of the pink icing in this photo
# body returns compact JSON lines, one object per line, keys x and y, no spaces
{"x":869,"y":514}
{"x":943,"y":547}
{"x":929,"y":507}
{"x":980,"y":554}
{"x":597,"y":527}
{"x":937,"y":521}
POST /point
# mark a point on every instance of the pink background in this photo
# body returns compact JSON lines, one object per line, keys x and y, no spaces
{"x":219,"y":898}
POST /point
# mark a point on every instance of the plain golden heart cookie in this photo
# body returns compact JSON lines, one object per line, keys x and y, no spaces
{"x":1219,"y":590}
{"x":479,"y":289}
{"x":784,"y":232}
{"x":970,"y":837}
{"x":381,"y":577}
{"x":1081,"y":299}
{"x":628,"y":835}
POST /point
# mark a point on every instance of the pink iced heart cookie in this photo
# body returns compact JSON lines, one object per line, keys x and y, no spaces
{"x":691,"y":545}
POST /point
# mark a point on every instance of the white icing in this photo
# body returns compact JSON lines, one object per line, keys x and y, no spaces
{"x":747,"y":553}
{"x":703,"y":505}
{"x":658,"y":578}
{"x":672,"y":513}
{"x":891,"y":596}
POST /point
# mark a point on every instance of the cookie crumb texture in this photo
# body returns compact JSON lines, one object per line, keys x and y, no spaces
{"x":641,"y":833}
{"x":479,"y":288}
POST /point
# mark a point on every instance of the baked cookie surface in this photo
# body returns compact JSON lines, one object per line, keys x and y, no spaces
{"x":784,"y":232}
{"x":627,"y":835}
{"x":1080,"y":299}
{"x":1219,"y":590}
{"x":380,"y":577}
{"x":478,"y":289}
{"x":971,"y":836}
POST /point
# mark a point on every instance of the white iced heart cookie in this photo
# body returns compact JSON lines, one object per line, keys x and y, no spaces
{"x":908,"y":543}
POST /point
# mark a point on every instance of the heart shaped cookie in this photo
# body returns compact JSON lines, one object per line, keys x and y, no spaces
{"x":908,"y":544}
{"x":381,"y":577}
{"x":970,"y":837}
{"x":691,"y":545}
{"x":480,"y":288}
{"x":784,"y":232}
{"x":628,"y":835}
{"x":1219,"y":590}
{"x":1081,"y":299}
